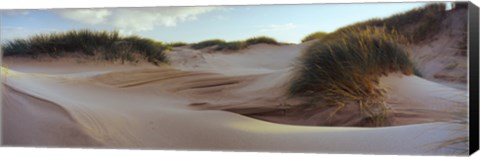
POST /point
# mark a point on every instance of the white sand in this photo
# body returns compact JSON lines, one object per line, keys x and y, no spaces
{"x":151,"y":117}
{"x":158,"y":107}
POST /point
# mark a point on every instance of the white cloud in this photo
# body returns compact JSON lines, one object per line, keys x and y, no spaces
{"x":277,"y":27}
{"x":136,"y":19}
{"x":89,"y":16}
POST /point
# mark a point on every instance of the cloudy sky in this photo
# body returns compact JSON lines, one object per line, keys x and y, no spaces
{"x":288,"y":23}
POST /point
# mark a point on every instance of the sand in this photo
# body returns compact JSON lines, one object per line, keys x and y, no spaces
{"x":211,"y":101}
{"x":443,"y":57}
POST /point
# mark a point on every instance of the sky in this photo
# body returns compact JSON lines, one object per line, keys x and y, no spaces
{"x":286,"y":23}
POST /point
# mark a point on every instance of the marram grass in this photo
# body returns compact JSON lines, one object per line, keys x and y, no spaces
{"x":345,"y":69}
{"x":177,"y":44}
{"x":106,"y":45}
{"x":261,"y":40}
{"x":416,"y":25}
{"x":208,"y":43}
{"x":234,"y":45}
{"x":313,"y":36}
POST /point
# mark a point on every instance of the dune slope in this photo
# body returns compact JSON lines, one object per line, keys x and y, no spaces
{"x":442,"y":58}
{"x":212,"y":102}
{"x":148,"y":116}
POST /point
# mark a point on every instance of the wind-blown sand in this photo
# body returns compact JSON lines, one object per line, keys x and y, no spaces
{"x":211,"y":101}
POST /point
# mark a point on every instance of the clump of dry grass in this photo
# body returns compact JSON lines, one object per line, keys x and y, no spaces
{"x":345,"y":69}
{"x":107,"y":45}
{"x":208,"y":43}
{"x":416,"y":25}
{"x":177,"y":44}
{"x":261,"y":40}
{"x":234,"y":45}
{"x":313,"y":36}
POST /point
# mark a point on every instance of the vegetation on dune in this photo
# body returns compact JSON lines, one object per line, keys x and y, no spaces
{"x":416,"y":25}
{"x":428,"y":21}
{"x":313,"y":36}
{"x":234,"y":45}
{"x":345,"y":70}
{"x":208,"y":43}
{"x":177,"y":44}
{"x":261,"y":40}
{"x":108,"y":46}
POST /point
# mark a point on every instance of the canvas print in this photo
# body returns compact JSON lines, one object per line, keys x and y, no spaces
{"x":368,"y":78}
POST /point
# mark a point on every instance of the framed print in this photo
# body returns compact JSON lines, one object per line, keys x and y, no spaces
{"x":351,"y":78}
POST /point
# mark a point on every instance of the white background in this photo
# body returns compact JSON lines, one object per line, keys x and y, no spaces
{"x":45,"y":4}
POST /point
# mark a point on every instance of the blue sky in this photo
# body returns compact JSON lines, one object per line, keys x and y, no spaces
{"x":287,"y":23}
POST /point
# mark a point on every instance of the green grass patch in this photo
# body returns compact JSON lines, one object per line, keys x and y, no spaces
{"x":261,"y":40}
{"x":234,"y":45}
{"x":416,"y":25}
{"x":208,"y":43}
{"x":177,"y":44}
{"x":106,"y":45}
{"x":313,"y":36}
{"x":345,"y":70}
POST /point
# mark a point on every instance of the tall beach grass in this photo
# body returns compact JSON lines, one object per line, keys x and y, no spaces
{"x":261,"y":40}
{"x":313,"y":36}
{"x":208,"y":43}
{"x":345,"y":70}
{"x":107,"y":45}
{"x":416,"y":25}
{"x":177,"y":44}
{"x":234,"y":45}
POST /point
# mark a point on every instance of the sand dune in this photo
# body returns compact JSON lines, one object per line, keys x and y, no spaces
{"x":24,"y":113}
{"x":212,"y":101}
{"x":443,"y":57}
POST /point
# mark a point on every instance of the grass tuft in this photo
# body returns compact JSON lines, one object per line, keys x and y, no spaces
{"x":416,"y":25}
{"x":177,"y":44}
{"x":107,"y":45}
{"x":234,"y":45}
{"x":345,"y":69}
{"x":313,"y":36}
{"x":208,"y":43}
{"x":261,"y":40}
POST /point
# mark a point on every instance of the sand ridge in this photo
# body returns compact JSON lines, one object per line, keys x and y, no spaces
{"x":200,"y":103}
